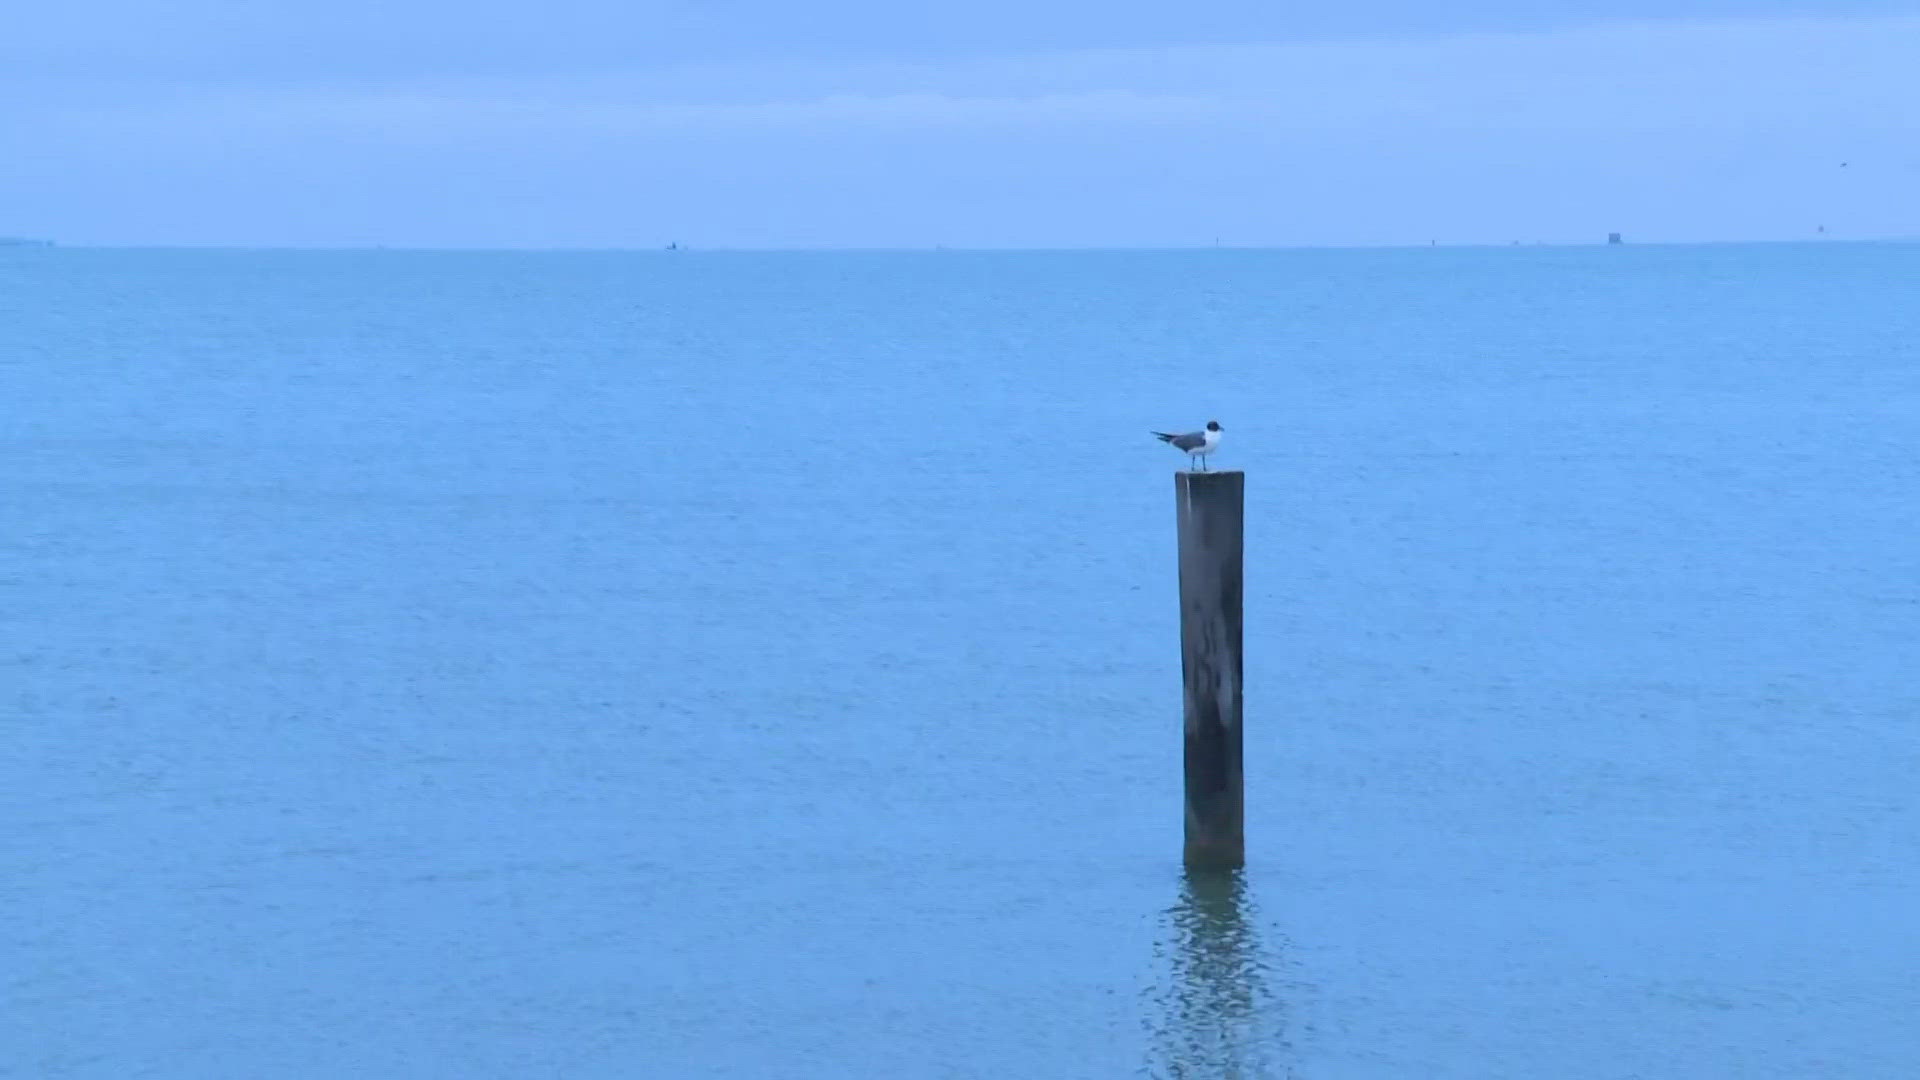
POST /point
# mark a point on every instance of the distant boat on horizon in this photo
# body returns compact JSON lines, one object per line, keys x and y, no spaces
{"x":23,"y":241}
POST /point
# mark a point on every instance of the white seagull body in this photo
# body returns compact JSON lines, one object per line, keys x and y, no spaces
{"x":1196,"y":444}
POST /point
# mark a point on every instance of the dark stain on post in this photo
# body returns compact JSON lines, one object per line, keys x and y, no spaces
{"x":1211,"y":508}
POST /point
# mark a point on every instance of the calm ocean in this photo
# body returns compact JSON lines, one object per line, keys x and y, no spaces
{"x":478,"y":665}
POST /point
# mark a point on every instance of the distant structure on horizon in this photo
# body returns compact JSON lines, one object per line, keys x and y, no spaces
{"x":23,"y":241}
{"x":1614,"y":238}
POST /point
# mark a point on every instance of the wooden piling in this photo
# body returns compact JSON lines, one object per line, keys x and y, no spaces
{"x":1211,"y":508}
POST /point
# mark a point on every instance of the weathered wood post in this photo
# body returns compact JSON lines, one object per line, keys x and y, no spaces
{"x":1211,"y":507}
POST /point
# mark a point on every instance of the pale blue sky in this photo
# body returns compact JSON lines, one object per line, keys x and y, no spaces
{"x":756,"y":124}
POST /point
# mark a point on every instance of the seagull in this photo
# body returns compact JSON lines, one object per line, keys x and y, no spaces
{"x":1197,"y":444}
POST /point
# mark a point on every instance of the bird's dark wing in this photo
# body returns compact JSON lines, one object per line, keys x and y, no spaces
{"x":1192,"y":440}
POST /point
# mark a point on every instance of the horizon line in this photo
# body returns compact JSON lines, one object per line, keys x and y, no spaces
{"x":684,"y":249}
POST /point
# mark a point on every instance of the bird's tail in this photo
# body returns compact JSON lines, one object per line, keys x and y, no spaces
{"x":1163,"y":436}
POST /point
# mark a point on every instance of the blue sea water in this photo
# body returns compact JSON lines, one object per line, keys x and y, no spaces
{"x":765,"y":665}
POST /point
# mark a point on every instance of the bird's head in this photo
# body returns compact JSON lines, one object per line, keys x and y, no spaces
{"x":1213,"y":425}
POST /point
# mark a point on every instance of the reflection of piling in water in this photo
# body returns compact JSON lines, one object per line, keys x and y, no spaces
{"x":1216,"y":1016}
{"x":1211,"y":509}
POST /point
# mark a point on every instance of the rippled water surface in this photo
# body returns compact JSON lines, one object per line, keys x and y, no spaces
{"x":732,"y":665}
